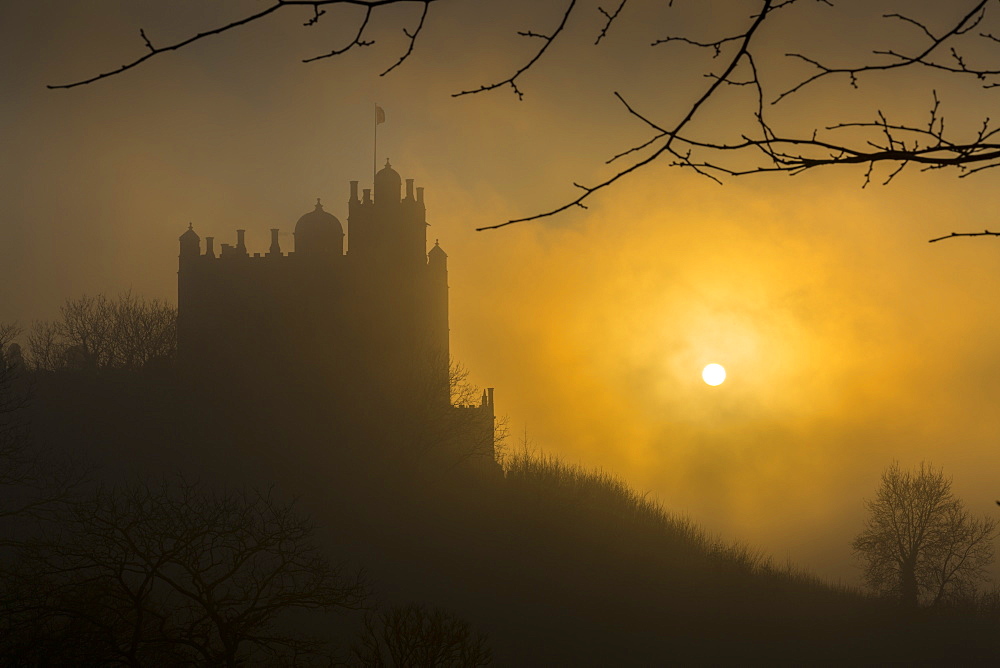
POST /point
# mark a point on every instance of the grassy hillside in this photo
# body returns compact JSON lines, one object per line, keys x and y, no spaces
{"x":559,"y":565}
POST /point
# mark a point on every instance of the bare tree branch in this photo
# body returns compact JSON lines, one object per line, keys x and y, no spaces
{"x":413,"y":39}
{"x":610,"y":16}
{"x":668,"y":137}
{"x":512,"y":80}
{"x":955,"y":39}
{"x":966,"y":23}
{"x":984,"y":233}
{"x":357,"y":41}
{"x":278,"y":5}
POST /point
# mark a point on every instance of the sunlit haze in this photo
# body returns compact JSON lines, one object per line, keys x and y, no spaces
{"x":849,"y":341}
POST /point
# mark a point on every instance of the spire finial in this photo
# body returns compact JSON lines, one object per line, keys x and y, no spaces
{"x":437,"y":243}
{"x":387,"y":163}
{"x":318,"y":204}
{"x":191,"y":226}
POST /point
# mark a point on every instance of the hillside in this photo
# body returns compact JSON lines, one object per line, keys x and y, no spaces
{"x":557,"y":564}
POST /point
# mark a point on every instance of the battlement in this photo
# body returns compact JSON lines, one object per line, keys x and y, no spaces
{"x":486,"y":402}
{"x":238,"y":251}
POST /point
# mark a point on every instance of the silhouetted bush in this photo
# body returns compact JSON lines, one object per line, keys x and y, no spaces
{"x":413,"y":636}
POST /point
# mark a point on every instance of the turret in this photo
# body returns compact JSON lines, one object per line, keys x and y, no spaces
{"x":387,"y":185}
{"x":437,"y":259}
{"x":390,"y":232}
{"x":190,"y":243}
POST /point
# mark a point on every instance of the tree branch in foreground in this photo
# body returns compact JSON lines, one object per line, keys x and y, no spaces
{"x":369,"y":5}
{"x":512,"y":79}
{"x":984,"y":233}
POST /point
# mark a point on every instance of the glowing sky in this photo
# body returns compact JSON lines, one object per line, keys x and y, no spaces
{"x":849,"y":340}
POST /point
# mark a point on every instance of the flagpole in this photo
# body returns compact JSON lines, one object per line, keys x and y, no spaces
{"x":375,"y":148}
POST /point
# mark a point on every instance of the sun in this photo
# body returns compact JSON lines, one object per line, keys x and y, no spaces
{"x":713,"y":374}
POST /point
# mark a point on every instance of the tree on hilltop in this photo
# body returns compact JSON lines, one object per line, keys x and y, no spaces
{"x":920,"y":544}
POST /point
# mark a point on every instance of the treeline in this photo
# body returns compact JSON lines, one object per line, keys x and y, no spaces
{"x":100,"y":332}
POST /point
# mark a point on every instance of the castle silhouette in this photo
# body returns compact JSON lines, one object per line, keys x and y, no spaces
{"x":362,"y":335}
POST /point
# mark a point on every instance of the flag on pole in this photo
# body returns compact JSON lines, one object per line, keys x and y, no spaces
{"x":379,"y":115}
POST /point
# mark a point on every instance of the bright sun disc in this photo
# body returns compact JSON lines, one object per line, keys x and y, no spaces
{"x":713,"y":374}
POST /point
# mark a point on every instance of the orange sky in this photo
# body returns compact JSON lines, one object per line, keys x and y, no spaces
{"x":849,"y":340}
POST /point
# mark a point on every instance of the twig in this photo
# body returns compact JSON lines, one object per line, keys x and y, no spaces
{"x":984,"y":233}
{"x":277,"y":5}
{"x":413,"y":39}
{"x":610,"y":19}
{"x":512,"y":80}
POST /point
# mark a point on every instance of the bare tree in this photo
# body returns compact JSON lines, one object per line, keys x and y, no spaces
{"x":752,"y":74}
{"x":462,"y":431}
{"x":417,"y":637}
{"x":174,"y":574}
{"x":919,"y":543}
{"x":104,"y":333}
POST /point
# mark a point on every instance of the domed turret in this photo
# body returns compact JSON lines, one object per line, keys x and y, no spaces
{"x":190,"y":242}
{"x":437,"y":253}
{"x":387,"y":185}
{"x":319,"y":233}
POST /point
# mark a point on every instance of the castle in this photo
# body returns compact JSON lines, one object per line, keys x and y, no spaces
{"x":363,"y":334}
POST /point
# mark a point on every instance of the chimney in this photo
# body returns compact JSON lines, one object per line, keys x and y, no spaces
{"x":368,"y":195}
{"x":354,"y":191}
{"x":241,"y":245}
{"x":420,"y":193}
{"x":409,"y":189}
{"x":209,"y":246}
{"x":490,"y":391}
{"x":275,"y":248}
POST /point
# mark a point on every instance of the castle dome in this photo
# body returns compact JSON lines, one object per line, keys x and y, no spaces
{"x":190,"y":243}
{"x":319,"y":232}
{"x":190,"y":235}
{"x":387,"y":184}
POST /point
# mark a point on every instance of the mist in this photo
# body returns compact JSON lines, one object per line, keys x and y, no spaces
{"x":849,"y":341}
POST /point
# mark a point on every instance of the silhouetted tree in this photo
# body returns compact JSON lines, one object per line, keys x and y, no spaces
{"x":919,"y":543}
{"x":413,"y":636}
{"x":463,"y":391}
{"x":742,"y":50}
{"x":173,"y":574}
{"x":104,"y":333}
{"x":460,"y":431}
